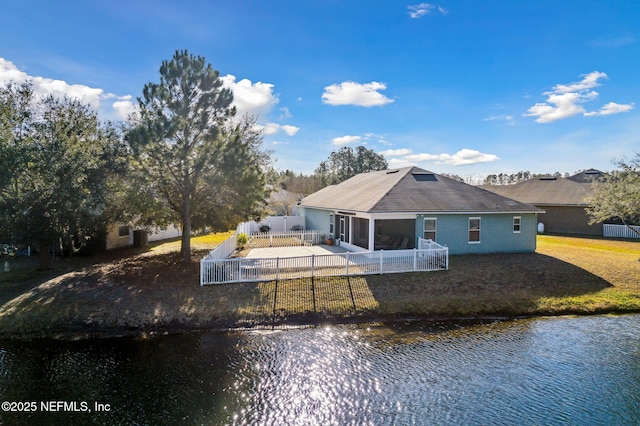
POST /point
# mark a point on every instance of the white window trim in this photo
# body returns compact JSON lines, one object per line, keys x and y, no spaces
{"x":128,"y":231}
{"x":519,"y":218}
{"x":332,"y":224}
{"x":435,"y":219}
{"x":479,"y":230}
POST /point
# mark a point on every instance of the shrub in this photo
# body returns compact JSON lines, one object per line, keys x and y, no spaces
{"x":265,"y":228}
{"x":242,"y":240}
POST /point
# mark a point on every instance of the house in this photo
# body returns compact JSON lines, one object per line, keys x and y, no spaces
{"x":391,"y":209}
{"x":126,"y":236}
{"x":563,"y":199}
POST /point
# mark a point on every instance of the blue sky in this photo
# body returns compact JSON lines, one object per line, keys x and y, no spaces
{"x":463,"y":87}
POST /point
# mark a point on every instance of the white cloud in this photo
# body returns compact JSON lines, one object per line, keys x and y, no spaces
{"x":352,"y":93}
{"x":285,"y":113}
{"x":94,"y":97}
{"x":124,"y":107}
{"x":565,"y":100}
{"x":419,"y":10}
{"x":9,"y":72}
{"x":273,"y":128}
{"x":257,"y":99}
{"x":398,"y":163}
{"x":290,"y":130}
{"x":508,"y":119}
{"x":252,"y":98}
{"x":588,"y":82}
{"x":405,"y":157}
{"x":345,"y":140}
{"x":46,"y":86}
{"x":463,"y":157}
{"x":611,"y":108}
{"x":396,"y":152}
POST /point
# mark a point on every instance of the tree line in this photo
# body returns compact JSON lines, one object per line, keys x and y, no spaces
{"x":513,"y":178}
{"x":341,"y":165}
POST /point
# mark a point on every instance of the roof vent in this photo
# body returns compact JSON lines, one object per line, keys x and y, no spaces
{"x":392,"y":171}
{"x":548,"y":178}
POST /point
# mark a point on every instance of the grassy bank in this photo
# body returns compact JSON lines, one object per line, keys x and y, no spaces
{"x":129,"y":292}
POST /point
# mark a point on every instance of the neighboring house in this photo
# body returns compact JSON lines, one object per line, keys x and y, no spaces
{"x":123,"y":235}
{"x":563,"y":199}
{"x":587,"y":176}
{"x":393,"y":208}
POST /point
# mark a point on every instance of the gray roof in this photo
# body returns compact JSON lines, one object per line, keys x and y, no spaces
{"x":587,"y":176}
{"x":546,"y":191}
{"x":410,"y":189}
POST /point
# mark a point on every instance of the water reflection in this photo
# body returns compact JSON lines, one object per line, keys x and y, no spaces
{"x":544,"y":371}
{"x":319,"y":380}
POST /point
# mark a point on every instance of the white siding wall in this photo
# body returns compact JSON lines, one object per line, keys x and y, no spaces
{"x":116,"y":241}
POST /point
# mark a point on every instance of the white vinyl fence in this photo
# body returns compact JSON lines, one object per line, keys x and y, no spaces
{"x":619,"y":231}
{"x":275,"y":224}
{"x":218,"y":271}
{"x":223,"y":250}
{"x":284,"y":239}
{"x":427,"y":244}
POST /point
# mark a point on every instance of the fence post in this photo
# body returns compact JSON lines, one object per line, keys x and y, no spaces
{"x":313,"y":261}
{"x":381,"y":266}
{"x":415,"y":259}
{"x":347,"y":268}
{"x":446,"y":262}
{"x":277,"y":268}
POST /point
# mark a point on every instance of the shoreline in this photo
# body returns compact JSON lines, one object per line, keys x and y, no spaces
{"x":145,"y":333}
{"x":75,"y":332}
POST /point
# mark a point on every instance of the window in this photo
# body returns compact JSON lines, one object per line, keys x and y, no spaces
{"x":429,"y":228}
{"x":474,"y":230}
{"x":331,"y":224}
{"x":123,"y":231}
{"x":516,"y":224}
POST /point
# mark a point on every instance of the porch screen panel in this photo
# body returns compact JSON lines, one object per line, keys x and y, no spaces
{"x":361,"y":232}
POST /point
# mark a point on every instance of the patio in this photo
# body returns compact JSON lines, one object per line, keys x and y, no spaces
{"x":296,"y":251}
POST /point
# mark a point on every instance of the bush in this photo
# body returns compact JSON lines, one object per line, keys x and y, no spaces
{"x":265,"y":228}
{"x":242,"y":240}
{"x":297,"y":228}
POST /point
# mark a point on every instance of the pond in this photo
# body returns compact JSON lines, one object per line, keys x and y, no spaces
{"x":569,"y":370}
